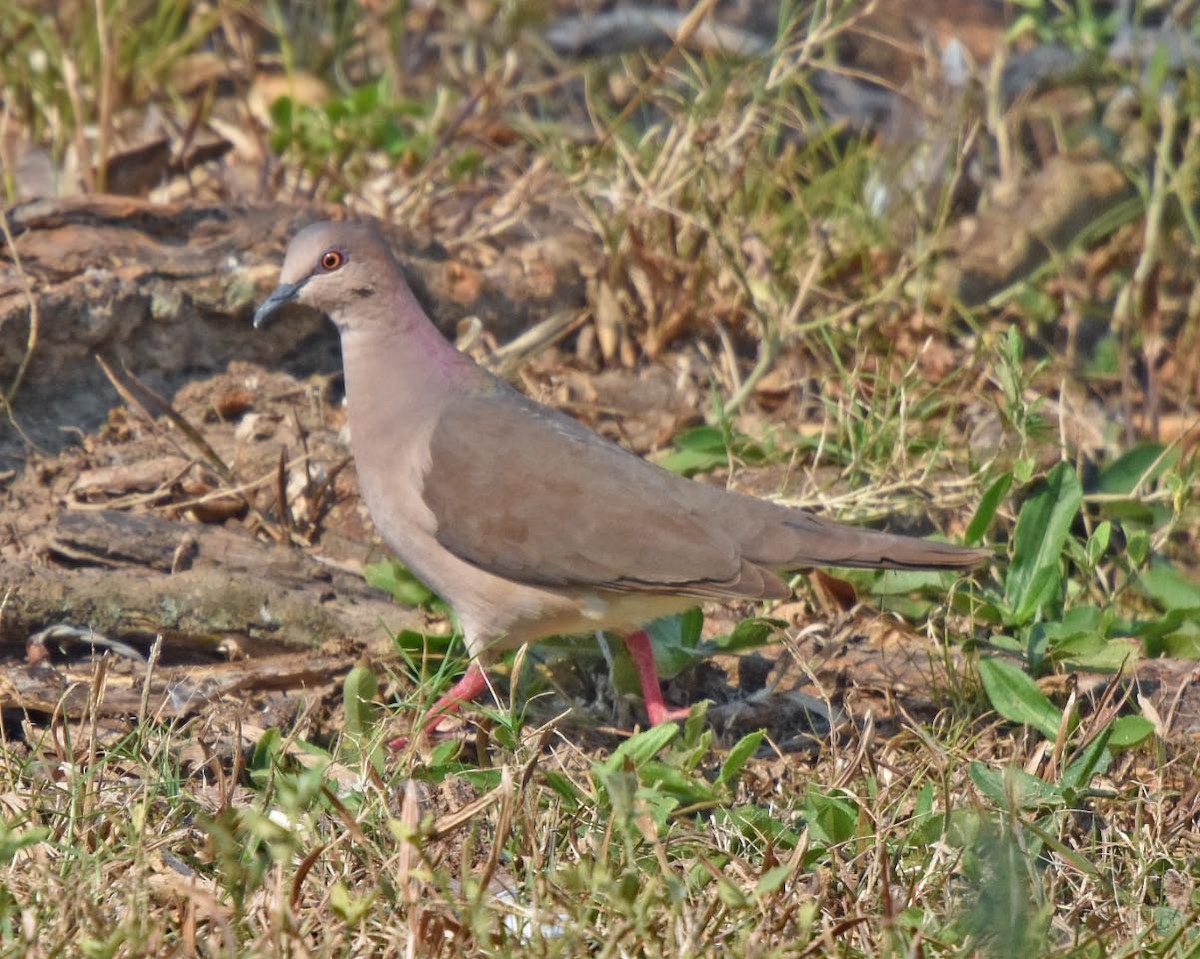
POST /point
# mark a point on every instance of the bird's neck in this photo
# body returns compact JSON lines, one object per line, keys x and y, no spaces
{"x":403,"y":363}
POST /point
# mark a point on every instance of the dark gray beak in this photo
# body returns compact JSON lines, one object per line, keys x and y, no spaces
{"x":284,"y":293}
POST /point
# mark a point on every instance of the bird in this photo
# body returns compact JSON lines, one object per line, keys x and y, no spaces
{"x":527,"y":523}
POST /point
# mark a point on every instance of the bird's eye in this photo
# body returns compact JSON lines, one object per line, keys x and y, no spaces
{"x":331,"y":260}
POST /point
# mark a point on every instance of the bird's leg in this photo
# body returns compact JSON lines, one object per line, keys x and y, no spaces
{"x":473,"y":682}
{"x":642,"y":653}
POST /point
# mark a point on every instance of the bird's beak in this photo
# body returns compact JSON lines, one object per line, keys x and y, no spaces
{"x":284,"y":293}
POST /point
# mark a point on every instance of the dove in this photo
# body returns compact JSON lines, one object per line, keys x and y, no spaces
{"x":527,"y":523}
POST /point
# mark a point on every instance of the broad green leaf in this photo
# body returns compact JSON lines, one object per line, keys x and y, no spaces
{"x":1097,"y":544}
{"x":641,"y":748}
{"x":738,"y":756}
{"x":901,"y":582}
{"x":832,"y":819}
{"x":704,"y":447}
{"x":772,"y":880}
{"x":1082,"y":640}
{"x":1014,"y":788}
{"x":1092,"y":761}
{"x":1184,"y":644}
{"x":1008,"y":644}
{"x":1130,"y":731}
{"x":1137,"y":546}
{"x":1156,"y":628}
{"x":926,"y":825}
{"x":675,"y":640}
{"x":659,"y":803}
{"x":1096,"y":653}
{"x":697,"y":450}
{"x":1170,"y":588}
{"x":750,"y":634}
{"x":756,"y":824}
{"x":985,"y":512}
{"x":14,"y":841}
{"x":676,"y":783}
{"x":697,"y":738}
{"x":1017,"y":698}
{"x":392,"y":577}
{"x":1042,"y":530}
{"x":1141,"y":464}
{"x":266,"y":750}
{"x":411,"y":641}
{"x":1080,"y":619}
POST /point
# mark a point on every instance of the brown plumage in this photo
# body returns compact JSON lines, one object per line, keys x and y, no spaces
{"x":525,"y":521}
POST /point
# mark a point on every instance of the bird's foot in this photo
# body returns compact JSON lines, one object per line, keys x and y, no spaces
{"x":473,"y":682}
{"x":660,"y":713}
{"x":642,"y":654}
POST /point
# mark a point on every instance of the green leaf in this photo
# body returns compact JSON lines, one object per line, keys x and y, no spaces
{"x":985,"y":512}
{"x":772,"y":880}
{"x":1097,"y":544}
{"x":676,"y":783}
{"x":1082,"y":640}
{"x":702,"y":448}
{"x":926,"y":824}
{"x":360,"y":694}
{"x":697,"y":737}
{"x":675,"y":640}
{"x":1070,"y":855}
{"x":1130,"y":731}
{"x":565,"y":788}
{"x":1092,"y":761}
{"x":1097,"y":653}
{"x":1151,"y":629}
{"x":1184,"y":644}
{"x":738,"y":756}
{"x":697,"y":450}
{"x":832,"y":819}
{"x":392,"y":577}
{"x":1017,"y":698}
{"x":1141,"y":464}
{"x":411,"y":641}
{"x":1011,"y":788}
{"x":659,"y":803}
{"x":756,"y":825}
{"x":1137,"y":546}
{"x":13,"y":841}
{"x":1170,"y":588}
{"x":464,"y":164}
{"x":641,"y":748}
{"x":750,"y":633}
{"x":266,"y":750}
{"x":1042,"y":530}
{"x":350,"y":909}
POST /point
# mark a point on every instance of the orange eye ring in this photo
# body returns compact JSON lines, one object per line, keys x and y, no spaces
{"x":331,"y":260}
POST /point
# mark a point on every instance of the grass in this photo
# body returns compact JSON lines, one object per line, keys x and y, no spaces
{"x":1022,"y":816}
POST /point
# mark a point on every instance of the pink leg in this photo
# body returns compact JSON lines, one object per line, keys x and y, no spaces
{"x":642,"y":652}
{"x":466,"y":689}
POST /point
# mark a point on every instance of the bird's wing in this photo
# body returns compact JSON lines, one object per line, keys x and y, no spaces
{"x":531,"y":495}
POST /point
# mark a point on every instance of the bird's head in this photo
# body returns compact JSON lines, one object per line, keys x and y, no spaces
{"x":330,"y":266}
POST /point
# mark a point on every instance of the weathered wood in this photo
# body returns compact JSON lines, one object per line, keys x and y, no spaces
{"x":138,"y":576}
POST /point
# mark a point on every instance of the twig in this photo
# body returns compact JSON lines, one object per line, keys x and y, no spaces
{"x":34,"y":325}
{"x":104,"y":123}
